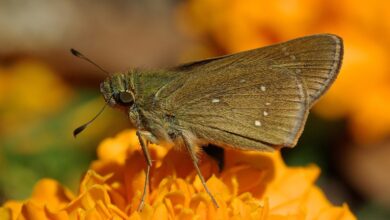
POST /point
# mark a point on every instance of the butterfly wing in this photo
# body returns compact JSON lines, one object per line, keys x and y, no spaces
{"x":315,"y":59}
{"x":257,"y":99}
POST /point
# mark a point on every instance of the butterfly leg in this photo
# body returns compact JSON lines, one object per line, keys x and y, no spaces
{"x":190,"y":148}
{"x":148,"y":159}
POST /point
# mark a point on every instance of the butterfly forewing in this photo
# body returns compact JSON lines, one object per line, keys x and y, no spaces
{"x":255,"y":99}
{"x":316,"y":59}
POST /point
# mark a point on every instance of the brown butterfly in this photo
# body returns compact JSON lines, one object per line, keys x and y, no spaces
{"x":253,"y":100}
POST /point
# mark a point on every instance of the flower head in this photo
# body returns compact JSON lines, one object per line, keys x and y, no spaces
{"x":253,"y":185}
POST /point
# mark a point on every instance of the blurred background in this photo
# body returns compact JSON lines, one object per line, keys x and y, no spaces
{"x":45,"y":92}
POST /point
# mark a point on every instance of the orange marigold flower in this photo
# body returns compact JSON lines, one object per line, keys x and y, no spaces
{"x":253,"y":185}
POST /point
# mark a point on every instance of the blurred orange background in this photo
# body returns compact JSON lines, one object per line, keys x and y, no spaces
{"x":45,"y":92}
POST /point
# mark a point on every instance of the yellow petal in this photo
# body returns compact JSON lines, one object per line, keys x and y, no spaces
{"x":5,"y":213}
{"x":50,"y":193}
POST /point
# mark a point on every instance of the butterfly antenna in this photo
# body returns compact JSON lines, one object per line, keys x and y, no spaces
{"x":84,"y":126}
{"x":80,"y":55}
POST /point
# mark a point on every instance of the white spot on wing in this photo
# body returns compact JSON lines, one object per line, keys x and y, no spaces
{"x":215,"y":100}
{"x":267,"y":103}
{"x":265,"y":113}
{"x":242,"y":81}
{"x":262,"y":88}
{"x":257,"y":123}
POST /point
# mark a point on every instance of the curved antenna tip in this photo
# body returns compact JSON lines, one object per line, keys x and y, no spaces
{"x":80,"y":55}
{"x":79,"y":130}
{"x":84,"y":126}
{"x":75,"y":52}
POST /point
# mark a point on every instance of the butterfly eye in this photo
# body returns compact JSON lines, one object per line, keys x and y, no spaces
{"x":125,"y":98}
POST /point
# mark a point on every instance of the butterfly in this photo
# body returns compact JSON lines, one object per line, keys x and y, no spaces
{"x":255,"y":100}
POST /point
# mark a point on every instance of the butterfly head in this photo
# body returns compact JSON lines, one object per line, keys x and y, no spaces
{"x":117,"y":91}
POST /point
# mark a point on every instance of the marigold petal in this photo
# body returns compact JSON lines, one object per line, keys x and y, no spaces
{"x":135,"y":216}
{"x":31,"y":210}
{"x":91,"y":179}
{"x":175,"y":163}
{"x":186,"y":214}
{"x":315,"y":202}
{"x":15,"y":207}
{"x":244,"y":178}
{"x":284,"y":188}
{"x":134,"y":175}
{"x":49,"y":192}
{"x":118,"y":148}
{"x":160,"y":212}
{"x":220,"y":191}
{"x":56,"y":215}
{"x":174,"y":191}
{"x":112,"y":150}
{"x":5,"y":213}
{"x":197,"y":200}
{"x":147,"y":212}
{"x":337,"y":213}
{"x":271,"y":162}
